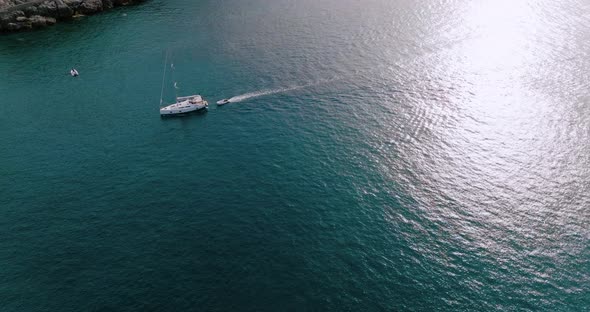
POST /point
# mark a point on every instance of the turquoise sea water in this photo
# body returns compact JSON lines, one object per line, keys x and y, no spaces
{"x":384,"y":156}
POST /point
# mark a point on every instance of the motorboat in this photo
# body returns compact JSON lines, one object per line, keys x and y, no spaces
{"x":223,"y":102}
{"x":74,"y":72}
{"x":183,"y":105}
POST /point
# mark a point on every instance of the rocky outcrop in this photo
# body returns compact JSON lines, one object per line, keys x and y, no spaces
{"x":90,"y":6}
{"x":16,"y":15}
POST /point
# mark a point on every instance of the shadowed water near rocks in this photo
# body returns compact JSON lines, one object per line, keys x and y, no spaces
{"x":18,"y":15}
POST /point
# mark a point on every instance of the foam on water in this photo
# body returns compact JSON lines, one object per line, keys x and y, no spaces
{"x":255,"y":94}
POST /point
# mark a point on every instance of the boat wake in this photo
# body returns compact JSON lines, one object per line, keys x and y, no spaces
{"x":250,"y":95}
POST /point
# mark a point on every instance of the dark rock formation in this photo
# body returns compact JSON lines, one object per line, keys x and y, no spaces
{"x":90,"y":6}
{"x":18,"y":15}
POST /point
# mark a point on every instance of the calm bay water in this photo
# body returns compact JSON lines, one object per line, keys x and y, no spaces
{"x":384,"y":156}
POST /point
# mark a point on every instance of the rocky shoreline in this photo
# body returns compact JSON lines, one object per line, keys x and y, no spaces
{"x":20,"y":15}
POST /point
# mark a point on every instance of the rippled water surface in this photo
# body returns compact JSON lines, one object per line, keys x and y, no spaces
{"x":379,"y":155}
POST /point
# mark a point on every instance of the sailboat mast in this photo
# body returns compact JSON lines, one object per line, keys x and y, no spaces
{"x":163,"y":78}
{"x":176,"y":91}
{"x":175,"y":86}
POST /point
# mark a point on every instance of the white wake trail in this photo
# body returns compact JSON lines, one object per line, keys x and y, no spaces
{"x":245,"y":96}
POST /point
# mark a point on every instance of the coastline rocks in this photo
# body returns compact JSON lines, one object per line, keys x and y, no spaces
{"x":16,"y":15}
{"x":90,"y":7}
{"x":24,"y":23}
{"x":32,"y":10}
{"x":57,"y":9}
{"x":40,"y":21}
{"x":10,"y":17}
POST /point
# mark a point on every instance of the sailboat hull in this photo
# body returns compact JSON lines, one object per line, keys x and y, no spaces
{"x":185,"y":105}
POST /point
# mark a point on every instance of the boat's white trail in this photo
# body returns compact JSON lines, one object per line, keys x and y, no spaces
{"x":245,"y":96}
{"x":249,"y":95}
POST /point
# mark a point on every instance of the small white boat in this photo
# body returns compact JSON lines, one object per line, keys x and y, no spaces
{"x":223,"y":102}
{"x":74,"y":72}
{"x":183,"y":105}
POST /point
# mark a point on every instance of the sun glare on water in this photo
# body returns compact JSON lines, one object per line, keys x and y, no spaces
{"x":508,"y":138}
{"x":494,"y":132}
{"x":499,"y":32}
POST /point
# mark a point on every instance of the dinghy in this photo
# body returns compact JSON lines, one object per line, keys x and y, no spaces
{"x":222,"y":102}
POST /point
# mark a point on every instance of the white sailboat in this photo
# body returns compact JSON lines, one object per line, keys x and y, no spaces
{"x":184,"y":104}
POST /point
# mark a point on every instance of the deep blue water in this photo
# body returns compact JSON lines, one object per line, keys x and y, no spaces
{"x":384,"y":156}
